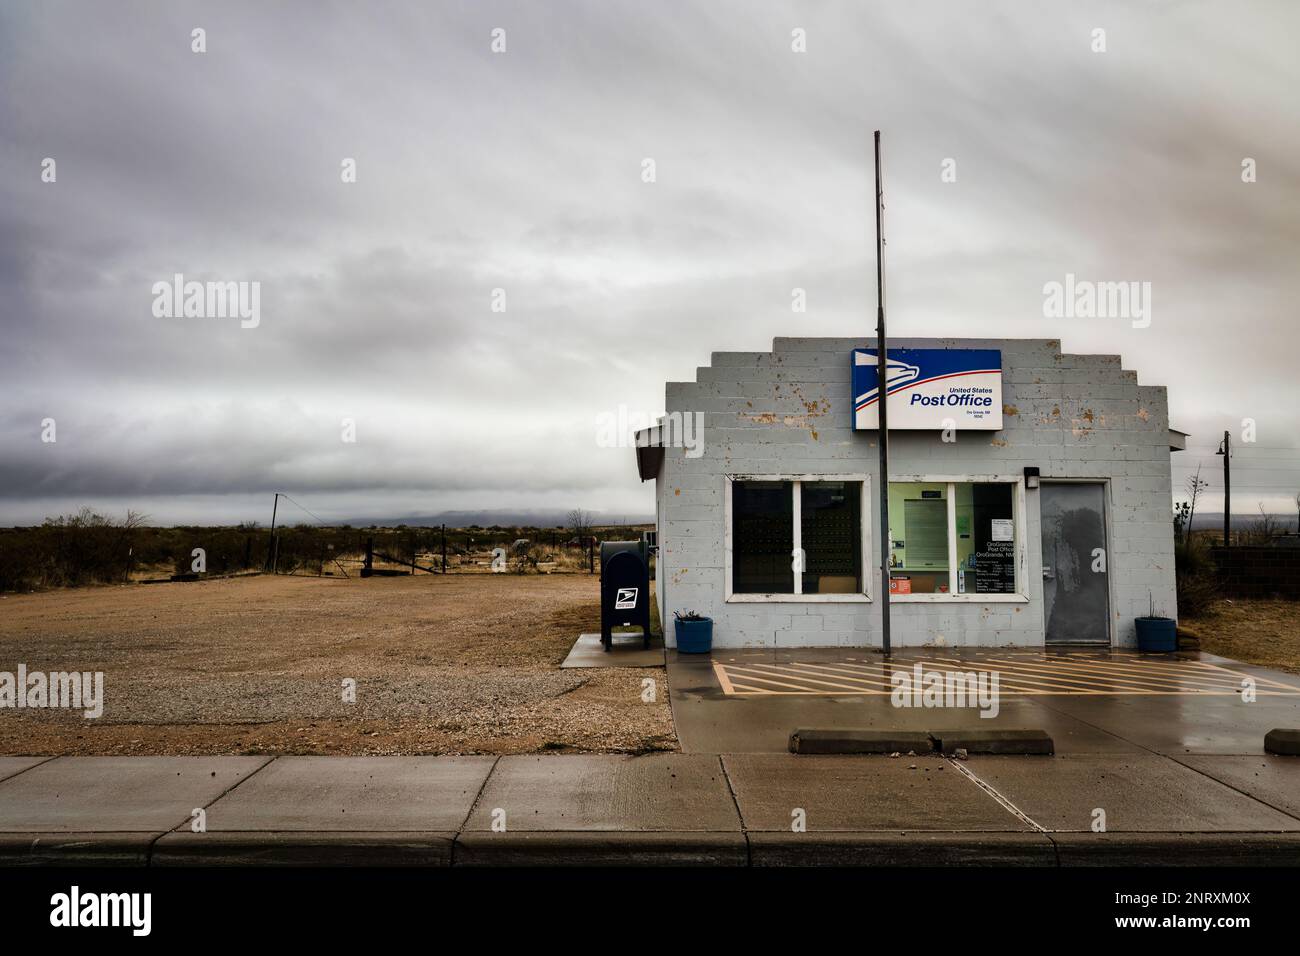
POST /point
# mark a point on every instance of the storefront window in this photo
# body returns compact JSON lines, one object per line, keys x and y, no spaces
{"x":818,"y":553}
{"x":918,"y":538}
{"x":952,"y":538}
{"x":986,"y":540}
{"x":831,"y":536}
{"x":762,"y":522}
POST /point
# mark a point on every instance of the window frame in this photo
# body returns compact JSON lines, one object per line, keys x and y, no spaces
{"x":1019,"y":510}
{"x":797,"y":596}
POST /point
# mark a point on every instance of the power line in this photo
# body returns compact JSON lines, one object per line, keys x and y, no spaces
{"x":319,"y":519}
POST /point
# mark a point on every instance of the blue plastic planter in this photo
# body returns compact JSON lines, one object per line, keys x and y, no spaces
{"x":694,"y":637}
{"x":1157,"y":634}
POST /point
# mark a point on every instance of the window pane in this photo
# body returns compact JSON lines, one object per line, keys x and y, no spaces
{"x":831,"y":536}
{"x":918,"y":537}
{"x":986,"y":538}
{"x":762,"y":537}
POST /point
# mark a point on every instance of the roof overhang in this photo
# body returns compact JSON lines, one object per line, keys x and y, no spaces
{"x":649,"y":452}
{"x":1177,"y":440}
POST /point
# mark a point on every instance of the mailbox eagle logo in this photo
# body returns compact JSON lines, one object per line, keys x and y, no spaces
{"x":625,"y":600}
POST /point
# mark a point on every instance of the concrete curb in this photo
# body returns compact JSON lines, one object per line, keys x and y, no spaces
{"x":590,"y":848}
{"x":1177,"y":849}
{"x":288,"y":848}
{"x":901,"y":849}
{"x":1282,"y":741}
{"x":75,"y":849}
{"x":829,"y":742}
{"x":613,"y":848}
{"x":1009,"y":741}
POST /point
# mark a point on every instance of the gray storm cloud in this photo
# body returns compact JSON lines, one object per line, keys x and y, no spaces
{"x":521,"y":171}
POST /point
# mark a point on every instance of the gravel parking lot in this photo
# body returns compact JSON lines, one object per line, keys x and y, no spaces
{"x":454,"y":664}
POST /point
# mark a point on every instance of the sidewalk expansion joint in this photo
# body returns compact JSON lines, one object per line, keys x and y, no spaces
{"x":744,"y":831}
{"x":992,"y":791}
{"x":39,"y":763}
{"x":148,"y":853}
{"x":482,"y":787}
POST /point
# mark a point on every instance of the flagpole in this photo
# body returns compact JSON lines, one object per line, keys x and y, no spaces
{"x":881,"y":406}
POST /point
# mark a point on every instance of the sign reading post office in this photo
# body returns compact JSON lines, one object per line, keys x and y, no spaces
{"x":930,"y":389}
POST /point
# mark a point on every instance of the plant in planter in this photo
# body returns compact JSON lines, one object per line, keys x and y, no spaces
{"x":1155,"y":632}
{"x":694,"y":632}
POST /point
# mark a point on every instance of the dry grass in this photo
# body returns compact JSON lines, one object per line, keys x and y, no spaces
{"x":455,"y":664}
{"x":1266,"y":633}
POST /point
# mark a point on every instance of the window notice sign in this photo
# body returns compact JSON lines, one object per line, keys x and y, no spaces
{"x":930,"y":389}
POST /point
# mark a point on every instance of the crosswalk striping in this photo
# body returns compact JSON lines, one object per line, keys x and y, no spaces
{"x":1019,"y":674}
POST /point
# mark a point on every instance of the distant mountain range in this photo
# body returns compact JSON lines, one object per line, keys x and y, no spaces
{"x":1241,"y":522}
{"x":505,"y":518}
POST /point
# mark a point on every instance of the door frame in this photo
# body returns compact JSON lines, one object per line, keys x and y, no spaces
{"x":1112,"y":624}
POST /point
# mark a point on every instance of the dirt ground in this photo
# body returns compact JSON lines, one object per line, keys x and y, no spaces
{"x":1266,"y":633}
{"x":455,"y":664}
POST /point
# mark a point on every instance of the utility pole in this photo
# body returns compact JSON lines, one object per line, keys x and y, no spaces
{"x":882,"y":361}
{"x":444,"y":549}
{"x":275,"y":541}
{"x":1226,"y":451}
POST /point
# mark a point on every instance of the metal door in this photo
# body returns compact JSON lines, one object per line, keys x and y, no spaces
{"x":1076,"y":602}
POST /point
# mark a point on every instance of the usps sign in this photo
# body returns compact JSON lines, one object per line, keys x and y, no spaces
{"x":930,"y":389}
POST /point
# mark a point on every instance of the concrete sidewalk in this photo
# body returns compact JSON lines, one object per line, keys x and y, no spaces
{"x":698,"y":809}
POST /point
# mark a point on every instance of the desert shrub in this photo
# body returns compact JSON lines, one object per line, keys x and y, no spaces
{"x":70,"y":550}
{"x":226,"y":550}
{"x":1195,"y":576}
{"x":525,"y":559}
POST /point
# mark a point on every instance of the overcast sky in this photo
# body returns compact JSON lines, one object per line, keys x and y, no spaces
{"x":522,"y":171}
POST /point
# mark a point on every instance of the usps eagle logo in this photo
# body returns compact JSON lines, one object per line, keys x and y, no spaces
{"x":896,"y":373}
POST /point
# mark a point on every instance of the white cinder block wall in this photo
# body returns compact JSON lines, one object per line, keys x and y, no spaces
{"x":788,"y":412}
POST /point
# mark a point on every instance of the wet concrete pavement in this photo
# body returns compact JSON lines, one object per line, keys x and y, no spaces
{"x":1159,"y":778}
{"x":1108,"y":703}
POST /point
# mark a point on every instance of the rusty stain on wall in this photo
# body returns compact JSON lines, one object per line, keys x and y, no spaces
{"x":1082,"y":426}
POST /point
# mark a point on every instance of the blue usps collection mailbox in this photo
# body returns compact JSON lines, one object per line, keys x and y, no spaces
{"x":624,"y":588}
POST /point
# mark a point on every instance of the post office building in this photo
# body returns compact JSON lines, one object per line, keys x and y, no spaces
{"x":1029,"y":495}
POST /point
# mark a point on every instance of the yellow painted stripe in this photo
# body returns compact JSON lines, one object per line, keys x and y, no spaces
{"x":1094,"y":678}
{"x":1018,"y":673}
{"x":1256,"y":679}
{"x":1125,"y":675}
{"x":722,"y":677}
{"x":858,"y":686}
{"x":1144,"y":669}
{"x":878,"y":679}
